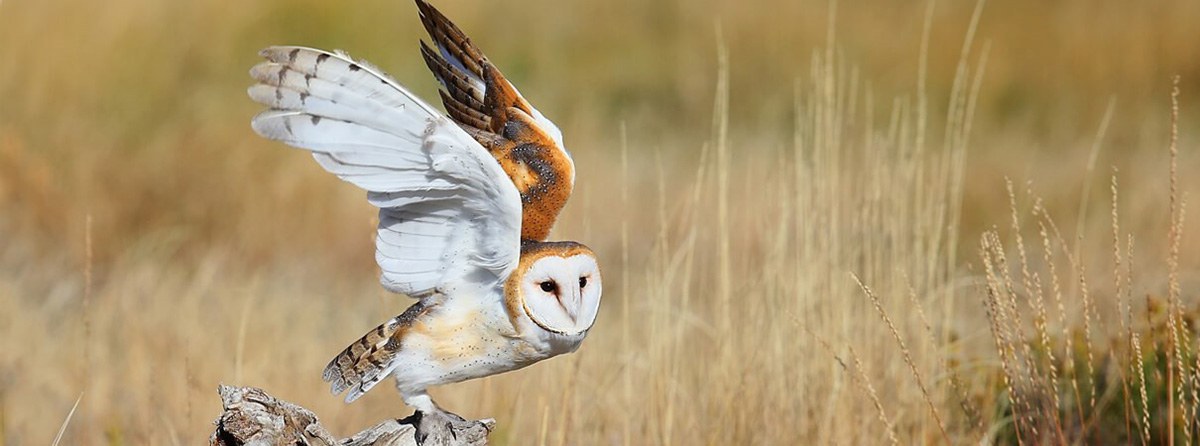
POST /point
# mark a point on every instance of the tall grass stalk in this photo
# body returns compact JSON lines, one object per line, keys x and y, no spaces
{"x":67,"y":421}
{"x":726,"y":245}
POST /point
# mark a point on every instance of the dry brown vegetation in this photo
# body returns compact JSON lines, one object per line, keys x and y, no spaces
{"x":801,"y":212}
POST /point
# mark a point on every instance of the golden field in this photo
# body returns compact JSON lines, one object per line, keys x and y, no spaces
{"x":740,"y":166}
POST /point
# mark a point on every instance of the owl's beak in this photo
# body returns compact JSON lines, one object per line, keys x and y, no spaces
{"x":576,"y":300}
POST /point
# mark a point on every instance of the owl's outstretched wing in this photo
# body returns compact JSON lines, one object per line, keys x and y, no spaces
{"x":486,"y":105}
{"x":447,"y":211}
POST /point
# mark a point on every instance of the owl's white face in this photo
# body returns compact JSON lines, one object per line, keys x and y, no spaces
{"x":562,"y":294}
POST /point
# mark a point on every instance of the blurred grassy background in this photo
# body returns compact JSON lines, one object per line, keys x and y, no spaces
{"x":132,"y":115}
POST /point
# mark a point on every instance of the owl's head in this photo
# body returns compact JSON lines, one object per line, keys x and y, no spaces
{"x":557,"y":284}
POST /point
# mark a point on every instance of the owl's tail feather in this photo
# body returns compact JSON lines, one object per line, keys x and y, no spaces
{"x":372,"y":358}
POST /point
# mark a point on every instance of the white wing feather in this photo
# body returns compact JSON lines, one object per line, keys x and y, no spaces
{"x":446,"y":208}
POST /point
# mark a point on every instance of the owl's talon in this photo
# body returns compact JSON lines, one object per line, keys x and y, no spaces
{"x":463,"y":196}
{"x":442,"y":428}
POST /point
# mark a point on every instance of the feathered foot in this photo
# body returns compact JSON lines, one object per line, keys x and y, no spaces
{"x":441,"y":428}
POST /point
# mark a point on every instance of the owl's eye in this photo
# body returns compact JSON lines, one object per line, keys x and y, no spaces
{"x":583,"y":281}
{"x":548,"y":286}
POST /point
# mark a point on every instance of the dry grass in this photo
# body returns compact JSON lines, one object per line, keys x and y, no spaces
{"x":731,"y":178}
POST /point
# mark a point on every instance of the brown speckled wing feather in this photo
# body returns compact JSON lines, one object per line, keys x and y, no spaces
{"x":371,"y":358}
{"x":485,"y":104}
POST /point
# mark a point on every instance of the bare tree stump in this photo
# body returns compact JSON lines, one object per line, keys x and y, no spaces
{"x":252,"y":417}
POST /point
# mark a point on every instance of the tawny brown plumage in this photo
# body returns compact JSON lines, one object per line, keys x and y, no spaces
{"x":466,"y":199}
{"x":502,"y":121}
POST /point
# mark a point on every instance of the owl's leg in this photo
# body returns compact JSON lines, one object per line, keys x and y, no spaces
{"x":422,"y":402}
{"x":438,"y":427}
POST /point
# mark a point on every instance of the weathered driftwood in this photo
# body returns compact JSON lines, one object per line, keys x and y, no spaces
{"x":252,"y":417}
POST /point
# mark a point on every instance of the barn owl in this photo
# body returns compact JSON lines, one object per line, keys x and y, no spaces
{"x":466,"y":200}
